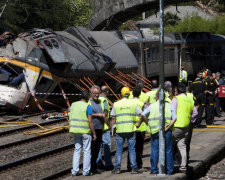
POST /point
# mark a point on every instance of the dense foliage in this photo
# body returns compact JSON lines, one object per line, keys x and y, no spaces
{"x":198,"y":24}
{"x":23,"y":15}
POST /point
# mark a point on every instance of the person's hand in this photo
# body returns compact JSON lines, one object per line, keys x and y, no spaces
{"x":94,"y":137}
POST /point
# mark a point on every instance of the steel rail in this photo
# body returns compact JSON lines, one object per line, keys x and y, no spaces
{"x":28,"y":140}
{"x":68,"y":170}
{"x":36,"y":156}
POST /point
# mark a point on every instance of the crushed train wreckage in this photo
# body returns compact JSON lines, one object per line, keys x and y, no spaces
{"x":36,"y":63}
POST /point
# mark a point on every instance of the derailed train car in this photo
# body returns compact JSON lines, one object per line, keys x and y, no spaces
{"x":47,"y":58}
{"x":194,"y":51}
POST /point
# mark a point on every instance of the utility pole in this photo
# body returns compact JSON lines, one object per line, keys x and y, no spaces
{"x":161,"y":94}
{"x":3,"y":9}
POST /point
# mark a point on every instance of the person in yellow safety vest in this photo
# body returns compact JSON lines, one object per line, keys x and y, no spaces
{"x":81,"y":126}
{"x":143,"y":96}
{"x":153,"y":115}
{"x":106,"y":138}
{"x":185,"y":109}
{"x":152,"y":93}
{"x":124,"y":114}
{"x":140,"y":133}
{"x":99,"y":118}
{"x":183,"y":75}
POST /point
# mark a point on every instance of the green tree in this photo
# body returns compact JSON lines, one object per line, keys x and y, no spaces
{"x":23,"y":15}
{"x":197,"y":24}
{"x":171,"y":19}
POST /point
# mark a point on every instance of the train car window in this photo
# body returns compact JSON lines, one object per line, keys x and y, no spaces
{"x":153,"y":54}
{"x":136,"y":53}
{"x":149,"y":55}
{"x":43,"y":86}
{"x":35,"y":53}
{"x":55,"y":43}
{"x":48,"y":44}
{"x":157,"y":54}
{"x":171,"y":55}
{"x":166,"y":56}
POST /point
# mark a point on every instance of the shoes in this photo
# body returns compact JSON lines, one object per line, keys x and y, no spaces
{"x":128,"y":169}
{"x":184,"y":171}
{"x":151,"y":173}
{"x":78,"y":174}
{"x":135,"y":171}
{"x":116,"y":171}
{"x":89,"y":174}
{"x":109,"y":168}
{"x":97,"y":171}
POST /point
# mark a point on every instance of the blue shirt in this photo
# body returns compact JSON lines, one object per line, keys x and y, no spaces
{"x":89,"y":110}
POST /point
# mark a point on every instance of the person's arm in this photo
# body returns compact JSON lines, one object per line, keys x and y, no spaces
{"x":91,"y":125}
{"x":113,"y":120}
{"x":174,"y":118}
{"x":144,"y":114}
{"x":90,"y":121}
{"x":194,"y":115}
{"x":106,"y":119}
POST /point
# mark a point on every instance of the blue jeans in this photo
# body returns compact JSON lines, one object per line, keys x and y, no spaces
{"x":154,"y":157}
{"x":79,"y":140}
{"x":106,"y":144}
{"x":131,"y":138}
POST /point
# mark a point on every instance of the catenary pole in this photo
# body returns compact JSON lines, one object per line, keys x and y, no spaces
{"x":161,"y":94}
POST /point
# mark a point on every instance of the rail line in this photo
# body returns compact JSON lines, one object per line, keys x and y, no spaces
{"x":4,"y":133}
{"x":52,"y":154}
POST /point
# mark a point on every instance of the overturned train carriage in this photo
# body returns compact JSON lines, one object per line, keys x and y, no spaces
{"x":48,"y":58}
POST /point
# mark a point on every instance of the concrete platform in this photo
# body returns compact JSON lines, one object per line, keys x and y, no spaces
{"x":207,"y":147}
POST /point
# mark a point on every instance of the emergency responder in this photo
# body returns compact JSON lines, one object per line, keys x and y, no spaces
{"x":99,"y":117}
{"x":222,"y":80}
{"x":152,"y":93}
{"x":81,"y":125}
{"x":106,"y":138}
{"x":198,"y":88}
{"x":140,"y":133}
{"x":210,"y":91}
{"x":124,"y":114}
{"x":184,"y":108}
{"x":152,"y":113}
{"x":183,"y":75}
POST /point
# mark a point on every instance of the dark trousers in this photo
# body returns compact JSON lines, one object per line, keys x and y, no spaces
{"x":217,"y":106}
{"x":139,"y":146}
{"x":95,"y":146}
{"x":209,"y":111}
{"x":188,"y":139}
{"x":201,"y":102}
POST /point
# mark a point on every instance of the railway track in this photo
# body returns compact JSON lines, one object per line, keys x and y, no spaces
{"x":53,"y":163}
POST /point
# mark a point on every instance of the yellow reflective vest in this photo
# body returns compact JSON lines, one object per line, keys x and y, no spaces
{"x":152,"y":95}
{"x":184,"y":110}
{"x":153,"y":118}
{"x":185,"y":76}
{"x":143,"y":126}
{"x":143,"y":96}
{"x":125,"y":115}
{"x":104,"y":99}
{"x":78,"y":120}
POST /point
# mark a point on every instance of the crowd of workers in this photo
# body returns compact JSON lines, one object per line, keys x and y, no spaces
{"x":92,"y":123}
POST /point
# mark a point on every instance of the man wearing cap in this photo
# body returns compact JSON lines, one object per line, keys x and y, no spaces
{"x":183,"y":75}
{"x":124,"y":114}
